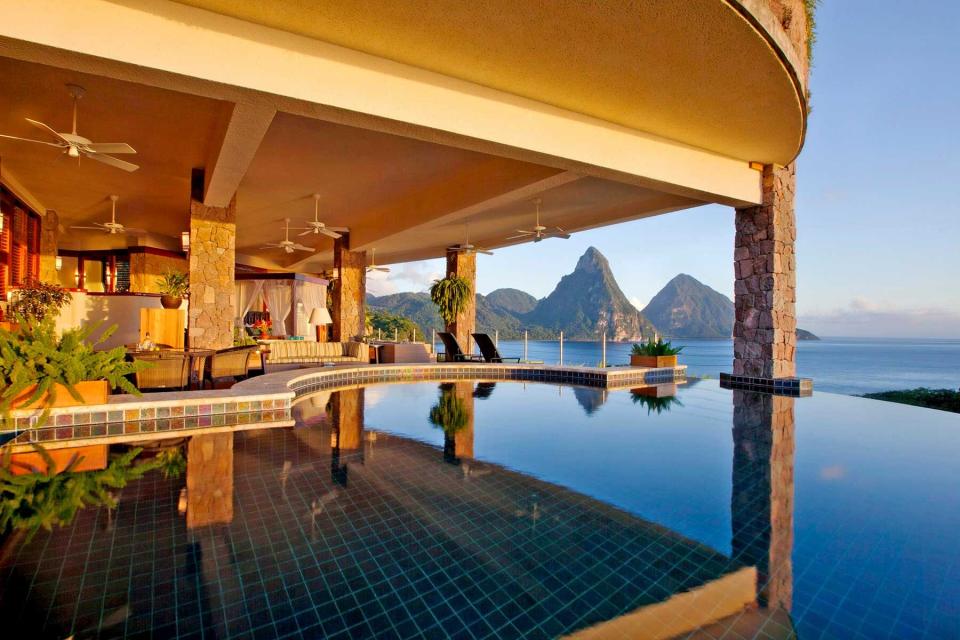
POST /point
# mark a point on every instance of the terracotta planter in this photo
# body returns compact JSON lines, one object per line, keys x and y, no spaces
{"x":92,"y":392}
{"x":653,"y":362}
{"x":171,"y":302}
{"x":90,"y":458}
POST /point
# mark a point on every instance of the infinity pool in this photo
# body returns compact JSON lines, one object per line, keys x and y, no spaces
{"x":482,"y":510}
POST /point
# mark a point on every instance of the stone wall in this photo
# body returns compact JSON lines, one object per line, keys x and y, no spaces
{"x":49,"y":238}
{"x":762,"y":498}
{"x":213,"y":233}
{"x":464,"y":265}
{"x":765,"y":328}
{"x":348,"y":291}
{"x":147,"y":268}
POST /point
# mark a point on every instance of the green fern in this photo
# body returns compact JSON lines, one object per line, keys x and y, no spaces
{"x":35,"y":355}
{"x":451,"y":295}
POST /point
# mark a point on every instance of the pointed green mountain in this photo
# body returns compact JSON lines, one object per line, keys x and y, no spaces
{"x":687,"y":308}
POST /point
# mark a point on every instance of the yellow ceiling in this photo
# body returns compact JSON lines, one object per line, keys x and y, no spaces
{"x":692,"y":71}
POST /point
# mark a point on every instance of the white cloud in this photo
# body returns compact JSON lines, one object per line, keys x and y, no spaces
{"x":870,"y":319}
{"x":408,"y":276}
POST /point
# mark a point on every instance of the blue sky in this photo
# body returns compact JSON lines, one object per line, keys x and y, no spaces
{"x":878,"y":217}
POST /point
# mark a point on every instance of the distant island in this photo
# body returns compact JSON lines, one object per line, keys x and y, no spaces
{"x":585,"y":304}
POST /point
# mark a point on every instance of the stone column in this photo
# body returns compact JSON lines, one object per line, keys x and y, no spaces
{"x":349,"y":291}
{"x":210,"y":480}
{"x":49,"y":237}
{"x":213,"y":233}
{"x":762,"y":499}
{"x":765,"y":329}
{"x":464,"y":265}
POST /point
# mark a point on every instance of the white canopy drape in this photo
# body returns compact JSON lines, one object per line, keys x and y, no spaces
{"x":279,"y":297}
{"x":312,"y":296}
{"x":249,"y":294}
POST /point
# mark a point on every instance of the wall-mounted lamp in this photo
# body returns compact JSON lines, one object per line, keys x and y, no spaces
{"x":76,"y":276}
{"x":185,"y":241}
{"x":58,"y":263}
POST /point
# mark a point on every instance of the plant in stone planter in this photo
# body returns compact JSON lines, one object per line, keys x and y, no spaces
{"x":451,"y":295}
{"x":174,"y":287}
{"x":39,"y":369}
{"x":36,"y":300}
{"x":654,"y":403}
{"x":654,"y":354}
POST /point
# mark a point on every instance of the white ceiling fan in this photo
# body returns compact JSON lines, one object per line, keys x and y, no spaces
{"x":112,"y":226}
{"x":466,"y":246}
{"x":286,"y":244}
{"x":373,"y":264}
{"x":75,"y":145}
{"x":317,"y":227}
{"x":540,"y":232}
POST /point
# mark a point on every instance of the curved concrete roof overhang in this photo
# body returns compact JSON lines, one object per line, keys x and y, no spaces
{"x":720,"y":75}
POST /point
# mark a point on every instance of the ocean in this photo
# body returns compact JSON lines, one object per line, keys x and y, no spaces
{"x":838,"y":365}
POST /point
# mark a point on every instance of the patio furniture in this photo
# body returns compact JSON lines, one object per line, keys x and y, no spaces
{"x":393,"y":352}
{"x":167,"y":370}
{"x":286,"y":354}
{"x":489,"y":349}
{"x":453,"y":352}
{"x":227,"y":363}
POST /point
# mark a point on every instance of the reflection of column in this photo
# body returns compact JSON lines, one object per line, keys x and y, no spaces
{"x":347,"y":422}
{"x":463,"y":438}
{"x":210,"y":480}
{"x":762,"y":500}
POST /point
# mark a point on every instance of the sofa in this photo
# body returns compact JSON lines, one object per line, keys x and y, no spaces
{"x":289,"y":354}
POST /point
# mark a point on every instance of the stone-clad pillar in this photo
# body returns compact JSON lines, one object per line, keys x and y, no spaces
{"x":765,"y":329}
{"x":49,"y":237}
{"x":349,"y":291}
{"x":464,"y":265}
{"x":210,"y":480}
{"x":213,"y":234}
{"x":762,"y":498}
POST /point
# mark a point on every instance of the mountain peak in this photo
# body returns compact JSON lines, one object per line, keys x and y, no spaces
{"x":592,"y":260}
{"x":687,"y":308}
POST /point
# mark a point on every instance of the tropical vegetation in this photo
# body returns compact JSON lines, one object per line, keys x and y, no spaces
{"x":390,"y":324}
{"x":34,"y":359}
{"x":450,"y":413}
{"x":451,"y":295}
{"x":36,"y":300}
{"x":174,"y":283}
{"x":655,"y":348}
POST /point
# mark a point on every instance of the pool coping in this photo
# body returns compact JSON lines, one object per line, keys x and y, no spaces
{"x":270,"y":397}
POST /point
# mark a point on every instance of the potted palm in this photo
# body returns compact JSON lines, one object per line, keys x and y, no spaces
{"x":39,"y":369}
{"x":654,"y":354}
{"x":174,"y":287}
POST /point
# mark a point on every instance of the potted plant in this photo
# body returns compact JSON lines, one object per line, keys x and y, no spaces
{"x":451,"y":295}
{"x":33,"y":302}
{"x":653,"y":401}
{"x":654,"y":354}
{"x":174,"y":287}
{"x":39,"y":369}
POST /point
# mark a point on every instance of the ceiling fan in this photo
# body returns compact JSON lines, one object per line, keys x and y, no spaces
{"x":540,"y":232}
{"x":286,"y":244}
{"x":75,"y":145}
{"x":112,"y":226}
{"x":466,"y":246}
{"x":373,"y":263}
{"x":315,"y":226}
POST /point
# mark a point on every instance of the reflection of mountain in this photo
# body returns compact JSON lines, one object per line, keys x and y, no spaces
{"x":590,"y":399}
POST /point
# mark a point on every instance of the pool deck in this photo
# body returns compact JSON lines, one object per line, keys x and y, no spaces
{"x":267,"y":399}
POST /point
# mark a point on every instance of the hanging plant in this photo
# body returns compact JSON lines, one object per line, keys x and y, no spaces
{"x":451,"y":295}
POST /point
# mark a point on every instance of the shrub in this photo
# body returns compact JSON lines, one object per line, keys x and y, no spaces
{"x":655,"y":348}
{"x":36,"y":300}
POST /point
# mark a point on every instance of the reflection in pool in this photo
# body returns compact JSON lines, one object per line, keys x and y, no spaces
{"x":478,"y":510}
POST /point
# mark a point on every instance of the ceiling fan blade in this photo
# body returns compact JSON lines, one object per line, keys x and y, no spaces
{"x":307,"y":232}
{"x":59,"y":145}
{"x":43,"y":127}
{"x":557,"y":234}
{"x":525,"y":234}
{"x":455,"y":247}
{"x":271,"y":246}
{"x":110,"y":147}
{"x":134,"y":231}
{"x":113,"y":162}
{"x":331,"y":234}
{"x":485,"y":252}
{"x":77,"y":227}
{"x":300,"y":247}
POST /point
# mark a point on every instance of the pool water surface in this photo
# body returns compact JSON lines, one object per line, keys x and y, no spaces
{"x":500,"y":510}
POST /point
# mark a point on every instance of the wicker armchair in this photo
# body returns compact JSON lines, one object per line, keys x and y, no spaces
{"x":227,"y":363}
{"x":167,"y":370}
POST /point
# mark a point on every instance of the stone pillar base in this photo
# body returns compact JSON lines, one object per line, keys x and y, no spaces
{"x":795,"y":387}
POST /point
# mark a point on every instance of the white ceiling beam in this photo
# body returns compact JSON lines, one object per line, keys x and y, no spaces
{"x":247,"y":125}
